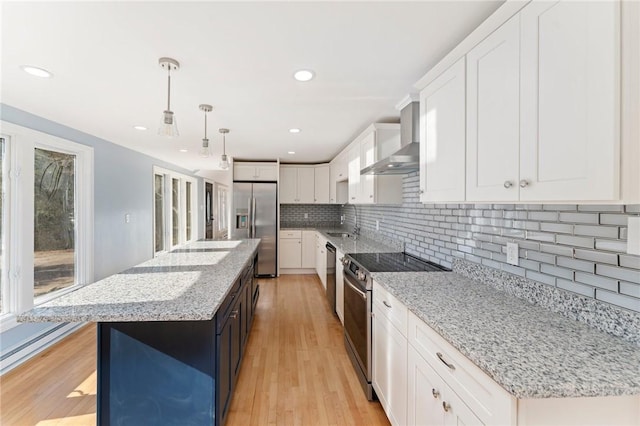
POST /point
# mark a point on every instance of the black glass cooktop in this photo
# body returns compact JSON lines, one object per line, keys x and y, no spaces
{"x":394,"y":262}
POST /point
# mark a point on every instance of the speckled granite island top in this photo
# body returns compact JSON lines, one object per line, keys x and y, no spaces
{"x":187,"y":284}
{"x":529,"y":351}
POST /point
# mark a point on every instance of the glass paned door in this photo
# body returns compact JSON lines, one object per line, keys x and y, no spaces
{"x":188,"y":211}
{"x":175,"y":209}
{"x":3,"y":252}
{"x":54,"y":221}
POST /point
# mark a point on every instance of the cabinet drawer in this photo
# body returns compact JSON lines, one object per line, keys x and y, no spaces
{"x":291,"y":234}
{"x":487,"y":399}
{"x":394,"y":310}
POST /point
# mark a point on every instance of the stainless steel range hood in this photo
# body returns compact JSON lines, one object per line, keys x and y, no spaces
{"x":407,"y":158}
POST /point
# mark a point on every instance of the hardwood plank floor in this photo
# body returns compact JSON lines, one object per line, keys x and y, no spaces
{"x":295,"y":370}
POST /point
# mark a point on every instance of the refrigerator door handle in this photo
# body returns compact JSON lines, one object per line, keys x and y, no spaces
{"x":250,"y":218}
{"x":253,"y":219}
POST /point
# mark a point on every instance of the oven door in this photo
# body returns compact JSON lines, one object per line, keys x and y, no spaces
{"x":357,"y":323}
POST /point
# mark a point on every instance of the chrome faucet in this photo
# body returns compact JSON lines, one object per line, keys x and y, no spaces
{"x":356,"y":228}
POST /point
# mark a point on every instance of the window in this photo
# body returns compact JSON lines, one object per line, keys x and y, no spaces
{"x":173,"y":209}
{"x":221,"y":210}
{"x":47,"y":235}
{"x":54,"y":263}
{"x":158,"y":212}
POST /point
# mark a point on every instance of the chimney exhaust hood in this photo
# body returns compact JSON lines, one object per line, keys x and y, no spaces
{"x":407,"y":158}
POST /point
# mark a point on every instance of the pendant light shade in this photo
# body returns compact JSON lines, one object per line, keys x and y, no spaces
{"x":168,"y":124}
{"x":205,"y":151}
{"x":224,"y":161}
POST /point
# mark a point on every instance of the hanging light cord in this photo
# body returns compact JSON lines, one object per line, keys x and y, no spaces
{"x":169,"y":88}
{"x":224,"y":145}
{"x":205,"y":124}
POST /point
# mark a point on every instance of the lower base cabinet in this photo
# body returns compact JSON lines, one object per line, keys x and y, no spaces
{"x":430,"y":400}
{"x":339,"y":286}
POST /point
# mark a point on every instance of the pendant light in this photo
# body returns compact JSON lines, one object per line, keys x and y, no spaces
{"x":168,"y":125}
{"x":224,"y":161}
{"x":205,"y":151}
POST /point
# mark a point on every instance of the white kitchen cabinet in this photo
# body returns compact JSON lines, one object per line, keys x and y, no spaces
{"x":570,"y":101}
{"x":321,"y":259}
{"x":321,"y":184}
{"x":338,"y":176}
{"x":290,"y":249}
{"x":442,"y":134}
{"x":297,"y":185}
{"x":493,"y":116}
{"x":377,"y":141}
{"x":255,"y":171}
{"x":308,"y":249}
{"x":430,"y":400}
{"x":339,"y":285}
{"x":389,"y":354}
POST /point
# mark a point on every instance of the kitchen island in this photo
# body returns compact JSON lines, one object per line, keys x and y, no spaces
{"x":171,"y":333}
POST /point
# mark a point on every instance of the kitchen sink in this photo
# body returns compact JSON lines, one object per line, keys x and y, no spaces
{"x":340,"y":234}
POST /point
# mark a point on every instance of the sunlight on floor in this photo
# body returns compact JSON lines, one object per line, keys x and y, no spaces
{"x":81,"y":420}
{"x":86,"y":388}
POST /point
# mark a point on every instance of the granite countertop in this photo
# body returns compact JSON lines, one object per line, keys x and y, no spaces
{"x":187,"y":284}
{"x":528,"y":350}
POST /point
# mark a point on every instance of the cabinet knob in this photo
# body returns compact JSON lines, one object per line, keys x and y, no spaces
{"x":421,"y":191}
{"x":446,"y":406}
{"x":234,"y":314}
{"x":524,"y":183}
{"x":353,"y":198}
{"x":435,"y":393}
{"x":508,"y":184}
{"x":371,"y":196}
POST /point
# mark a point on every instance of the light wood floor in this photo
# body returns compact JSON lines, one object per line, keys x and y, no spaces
{"x":295,"y":370}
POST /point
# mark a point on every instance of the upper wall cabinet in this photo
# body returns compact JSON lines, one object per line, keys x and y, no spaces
{"x":442,"y":117}
{"x":297,"y":184}
{"x":321,"y":184}
{"x":570,"y":70}
{"x":255,"y":171}
{"x":493,"y":123}
{"x":338,"y":176}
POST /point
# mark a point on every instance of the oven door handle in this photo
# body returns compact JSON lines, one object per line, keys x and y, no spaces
{"x":357,"y":290}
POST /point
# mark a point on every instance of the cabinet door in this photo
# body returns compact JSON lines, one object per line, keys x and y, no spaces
{"x":456,"y":412}
{"x":321,"y":184}
{"x":290,"y":253}
{"x":367,"y":158}
{"x":354,"y":173}
{"x":224,"y":374}
{"x":333,"y":181}
{"x":266,"y":172}
{"x":306,"y":185}
{"x":339,"y":286}
{"x":442,"y":134}
{"x":493,"y":115}
{"x":244,"y":171}
{"x":425,"y":390}
{"x":288,"y":185}
{"x":308,"y":249}
{"x":570,"y":100}
{"x":389,"y":355}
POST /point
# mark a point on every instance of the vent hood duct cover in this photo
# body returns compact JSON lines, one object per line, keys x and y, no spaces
{"x":407,"y":158}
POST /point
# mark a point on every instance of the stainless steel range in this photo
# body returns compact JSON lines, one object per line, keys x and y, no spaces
{"x":358,"y":303}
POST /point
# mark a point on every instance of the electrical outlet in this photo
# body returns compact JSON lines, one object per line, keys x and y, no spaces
{"x":127,"y":218}
{"x":377,"y":225}
{"x":512,"y":254}
{"x":306,"y":215}
{"x":633,"y":235}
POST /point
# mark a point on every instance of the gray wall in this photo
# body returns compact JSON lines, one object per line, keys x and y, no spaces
{"x":123,"y":183}
{"x":578,"y":248}
{"x":318,"y":214}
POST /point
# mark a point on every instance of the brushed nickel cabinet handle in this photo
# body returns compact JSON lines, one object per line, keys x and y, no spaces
{"x":386,"y":303}
{"x":435,"y":393}
{"x":524,"y":183}
{"x":441,"y":357}
{"x":508,"y":184}
{"x":446,"y":406}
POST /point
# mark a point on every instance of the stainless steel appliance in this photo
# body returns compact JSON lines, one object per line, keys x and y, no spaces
{"x":358,"y":303}
{"x":255,"y":207}
{"x":331,"y":277}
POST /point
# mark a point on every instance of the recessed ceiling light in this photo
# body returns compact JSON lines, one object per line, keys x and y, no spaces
{"x":294,"y":130}
{"x":139,"y":127}
{"x":291,"y":152}
{"x":304,"y":75}
{"x":183,"y":150}
{"x":35,"y":71}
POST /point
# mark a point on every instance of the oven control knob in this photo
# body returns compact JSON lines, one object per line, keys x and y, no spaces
{"x":344,"y":261}
{"x":361,"y":276}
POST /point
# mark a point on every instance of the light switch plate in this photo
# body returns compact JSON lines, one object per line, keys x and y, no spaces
{"x":306,"y":215}
{"x":512,"y":254}
{"x":127,"y":218}
{"x":633,"y":235}
{"x":377,"y":225}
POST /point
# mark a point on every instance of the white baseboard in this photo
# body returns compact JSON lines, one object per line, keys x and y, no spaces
{"x":36,"y":345}
{"x":303,"y":271}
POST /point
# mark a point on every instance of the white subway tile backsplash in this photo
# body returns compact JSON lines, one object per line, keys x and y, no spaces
{"x":557,"y":242}
{"x":617,"y":299}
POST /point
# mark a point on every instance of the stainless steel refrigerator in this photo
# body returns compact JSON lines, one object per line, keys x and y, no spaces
{"x":255,"y":215}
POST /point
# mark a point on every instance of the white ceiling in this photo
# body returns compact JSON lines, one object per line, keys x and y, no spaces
{"x":238,"y":57}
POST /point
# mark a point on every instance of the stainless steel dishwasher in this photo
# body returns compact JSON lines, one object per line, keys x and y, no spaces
{"x":331,"y":277}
